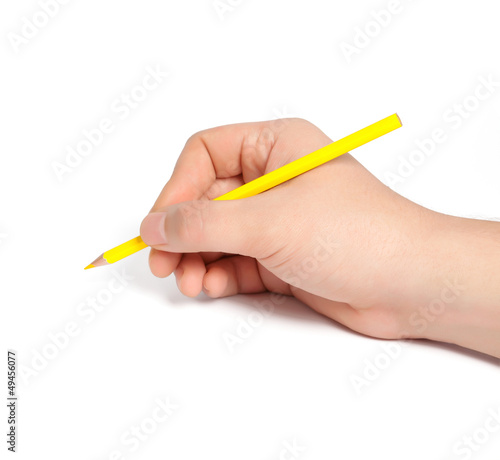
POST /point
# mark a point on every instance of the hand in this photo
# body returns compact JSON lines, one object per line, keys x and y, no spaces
{"x":335,"y":237}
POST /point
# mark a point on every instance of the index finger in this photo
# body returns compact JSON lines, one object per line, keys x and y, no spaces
{"x":213,"y":154}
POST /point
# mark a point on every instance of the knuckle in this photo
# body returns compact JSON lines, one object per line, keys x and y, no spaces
{"x":286,"y":124}
{"x":190,"y":221}
{"x":266,"y":137}
{"x":231,"y":168}
{"x":301,"y":121}
{"x":196,"y":137}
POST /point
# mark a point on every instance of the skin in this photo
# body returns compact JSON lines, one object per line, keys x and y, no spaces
{"x":335,"y":238}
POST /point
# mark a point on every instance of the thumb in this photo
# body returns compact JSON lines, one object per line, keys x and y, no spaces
{"x":233,"y":226}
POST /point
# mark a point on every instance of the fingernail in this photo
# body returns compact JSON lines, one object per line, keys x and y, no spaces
{"x":153,"y":229}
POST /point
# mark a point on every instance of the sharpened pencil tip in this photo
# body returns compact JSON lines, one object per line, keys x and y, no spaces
{"x":99,"y":262}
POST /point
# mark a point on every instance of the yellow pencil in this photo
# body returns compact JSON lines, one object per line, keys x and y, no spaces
{"x":274,"y":178}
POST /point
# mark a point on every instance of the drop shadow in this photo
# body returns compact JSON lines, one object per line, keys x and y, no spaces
{"x":452,"y":348}
{"x":165,"y":289}
{"x":286,"y":307}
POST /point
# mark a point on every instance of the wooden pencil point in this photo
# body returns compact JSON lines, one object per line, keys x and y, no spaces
{"x":99,"y":262}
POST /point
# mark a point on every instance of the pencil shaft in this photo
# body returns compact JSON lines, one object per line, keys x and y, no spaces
{"x":280,"y":175}
{"x":124,"y":250}
{"x":314,"y":159}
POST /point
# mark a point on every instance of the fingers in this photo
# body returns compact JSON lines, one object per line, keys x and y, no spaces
{"x":233,"y":275}
{"x":212,"y":163}
{"x":189,"y":274}
{"x":162,"y":264}
{"x":235,"y":227}
{"x":227,"y":276}
{"x":224,"y":277}
{"x":209,"y":154}
{"x":215,"y":153}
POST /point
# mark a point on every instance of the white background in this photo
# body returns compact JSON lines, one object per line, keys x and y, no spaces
{"x":290,"y":381}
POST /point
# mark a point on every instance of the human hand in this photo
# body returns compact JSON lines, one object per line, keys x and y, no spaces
{"x":335,"y":237}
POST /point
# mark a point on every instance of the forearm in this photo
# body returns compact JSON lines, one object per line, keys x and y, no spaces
{"x":464,"y":308}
